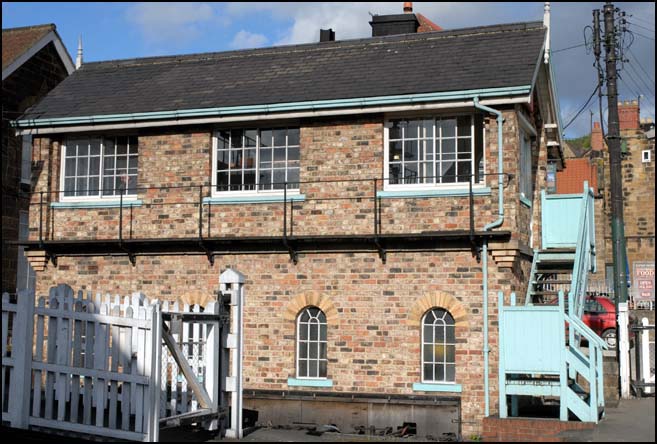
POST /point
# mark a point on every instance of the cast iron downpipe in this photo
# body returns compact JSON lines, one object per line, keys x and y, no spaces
{"x":494,"y":224}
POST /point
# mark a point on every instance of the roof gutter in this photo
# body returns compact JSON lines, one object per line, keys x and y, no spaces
{"x":346,"y":105}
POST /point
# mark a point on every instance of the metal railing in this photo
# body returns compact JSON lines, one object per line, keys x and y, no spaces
{"x":204,"y":203}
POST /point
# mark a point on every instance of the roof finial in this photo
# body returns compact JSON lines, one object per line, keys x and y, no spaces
{"x":78,"y":60}
{"x":546,"y":24}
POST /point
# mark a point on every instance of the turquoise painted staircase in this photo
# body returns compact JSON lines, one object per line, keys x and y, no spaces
{"x":540,"y":345}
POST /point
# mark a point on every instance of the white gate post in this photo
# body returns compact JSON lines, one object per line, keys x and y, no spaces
{"x":211,"y":354}
{"x":624,"y":349}
{"x":23,"y":331}
{"x":644,"y":371}
{"x":233,"y":282}
{"x":153,"y":423}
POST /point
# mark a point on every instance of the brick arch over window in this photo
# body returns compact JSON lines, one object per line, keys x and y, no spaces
{"x":320,"y":301}
{"x":441,"y":300}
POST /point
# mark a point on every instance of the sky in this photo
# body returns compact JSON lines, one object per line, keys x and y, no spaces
{"x":127,"y":30}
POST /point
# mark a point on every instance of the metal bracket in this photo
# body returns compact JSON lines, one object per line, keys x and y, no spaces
{"x":294,"y":257}
{"x":131,"y":256}
{"x":51,"y":257}
{"x":208,"y":253}
{"x":383,"y":254}
{"x":476,"y":250}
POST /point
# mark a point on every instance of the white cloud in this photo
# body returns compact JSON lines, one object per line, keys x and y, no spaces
{"x":246,"y":39}
{"x":170,"y":23}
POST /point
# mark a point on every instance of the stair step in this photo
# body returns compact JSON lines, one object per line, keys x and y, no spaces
{"x":549,"y":281}
{"x":583,"y":395}
{"x":555,"y":270}
{"x":543,"y":293}
{"x":533,"y":381}
{"x":557,"y":250}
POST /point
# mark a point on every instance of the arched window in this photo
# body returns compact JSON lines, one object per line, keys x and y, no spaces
{"x":438,"y":346}
{"x":311,"y":343}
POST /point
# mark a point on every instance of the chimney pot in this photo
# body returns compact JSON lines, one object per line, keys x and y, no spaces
{"x":326,"y":35}
{"x":408,"y":7}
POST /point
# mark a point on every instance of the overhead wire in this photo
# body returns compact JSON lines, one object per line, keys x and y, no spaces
{"x":582,"y":108}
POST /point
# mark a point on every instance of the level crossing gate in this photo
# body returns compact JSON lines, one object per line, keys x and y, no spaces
{"x":119,"y":367}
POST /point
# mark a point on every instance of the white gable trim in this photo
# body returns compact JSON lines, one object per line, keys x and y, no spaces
{"x":38,"y":46}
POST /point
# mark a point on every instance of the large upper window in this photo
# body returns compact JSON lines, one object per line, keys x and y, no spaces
{"x":438,"y":347}
{"x":256,"y":159}
{"x":100,"y":166}
{"x":311,"y":343}
{"x":435,"y":150}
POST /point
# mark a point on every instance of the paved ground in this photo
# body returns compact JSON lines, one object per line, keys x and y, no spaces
{"x":281,"y":435}
{"x":632,"y":420}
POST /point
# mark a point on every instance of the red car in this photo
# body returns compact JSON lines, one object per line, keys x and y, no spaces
{"x":600,"y":316}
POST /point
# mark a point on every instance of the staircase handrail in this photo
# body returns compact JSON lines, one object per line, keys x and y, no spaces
{"x":581,"y":328}
{"x":584,"y":250}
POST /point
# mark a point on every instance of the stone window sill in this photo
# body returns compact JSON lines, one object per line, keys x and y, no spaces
{"x":275,"y":198}
{"x":430,"y":387}
{"x":454,"y":192}
{"x":98,"y":204}
{"x":294,"y":382}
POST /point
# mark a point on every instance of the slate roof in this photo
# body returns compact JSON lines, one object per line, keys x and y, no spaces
{"x":440,"y":61}
{"x":17,"y":41}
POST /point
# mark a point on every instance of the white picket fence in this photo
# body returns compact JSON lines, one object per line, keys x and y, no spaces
{"x":97,"y":364}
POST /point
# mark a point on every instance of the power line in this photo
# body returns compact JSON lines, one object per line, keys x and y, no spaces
{"x":644,"y":36}
{"x":570,"y":47}
{"x":640,"y":88}
{"x":639,"y":26}
{"x":582,"y":108}
{"x":636,"y":59}
{"x":648,"y":87}
{"x":635,"y":17}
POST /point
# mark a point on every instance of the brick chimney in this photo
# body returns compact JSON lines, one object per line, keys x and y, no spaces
{"x":597,"y":144}
{"x":628,"y":115}
{"x":406,"y":23}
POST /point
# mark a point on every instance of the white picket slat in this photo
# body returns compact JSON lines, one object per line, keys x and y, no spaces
{"x":50,"y":357}
{"x":38,"y":357}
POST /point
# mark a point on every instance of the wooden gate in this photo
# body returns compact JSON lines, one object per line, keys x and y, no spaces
{"x":90,"y":365}
{"x":94,"y":365}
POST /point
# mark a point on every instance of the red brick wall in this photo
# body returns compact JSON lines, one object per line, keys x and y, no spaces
{"x":528,"y":429}
{"x":374,"y":341}
{"x":332,"y":150}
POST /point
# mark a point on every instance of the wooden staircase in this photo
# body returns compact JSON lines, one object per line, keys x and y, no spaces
{"x":540,"y":353}
{"x":552,"y":270}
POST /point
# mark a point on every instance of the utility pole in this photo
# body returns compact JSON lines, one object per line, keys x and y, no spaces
{"x":617,"y":224}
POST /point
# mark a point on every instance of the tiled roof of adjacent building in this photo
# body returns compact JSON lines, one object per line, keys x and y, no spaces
{"x":450,"y":60}
{"x":17,"y":41}
{"x":571,"y":179}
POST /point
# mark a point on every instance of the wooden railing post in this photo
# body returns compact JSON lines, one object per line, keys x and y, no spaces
{"x":21,"y":384}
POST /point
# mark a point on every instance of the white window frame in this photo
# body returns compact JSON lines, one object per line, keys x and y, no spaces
{"x":444,"y":343}
{"x":26,"y":159}
{"x":526,"y":166}
{"x":387,"y":186}
{"x":256,"y":192}
{"x":99,"y":197}
{"x":319,"y":341}
{"x":526,"y":132}
{"x":646,"y":156}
